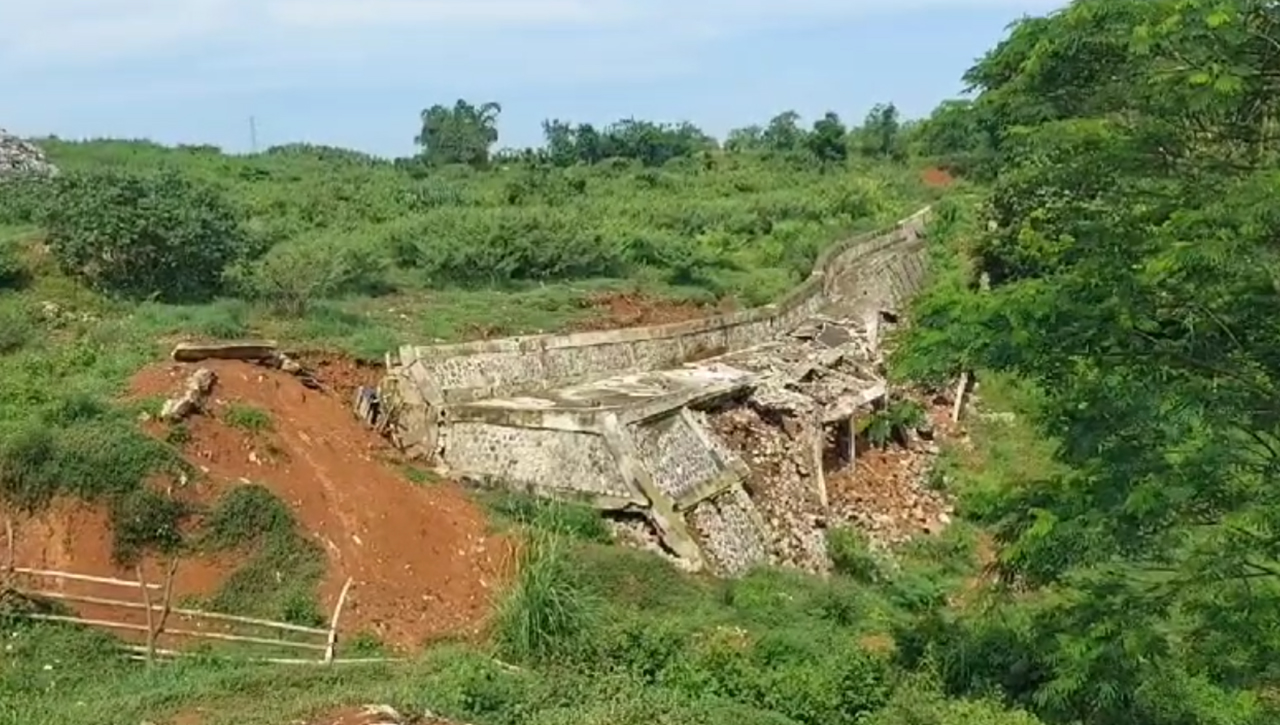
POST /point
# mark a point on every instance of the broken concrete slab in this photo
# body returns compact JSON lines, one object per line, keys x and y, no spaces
{"x":192,"y":399}
{"x":191,"y":352}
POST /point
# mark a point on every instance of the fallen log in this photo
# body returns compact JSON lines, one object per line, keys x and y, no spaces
{"x":190,"y":352}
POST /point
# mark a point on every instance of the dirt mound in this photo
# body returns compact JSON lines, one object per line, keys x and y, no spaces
{"x":937,"y":178}
{"x":421,"y":558}
{"x":886,"y":494}
{"x":615,"y":310}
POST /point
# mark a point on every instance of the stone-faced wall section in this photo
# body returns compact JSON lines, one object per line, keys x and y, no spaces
{"x":494,"y":368}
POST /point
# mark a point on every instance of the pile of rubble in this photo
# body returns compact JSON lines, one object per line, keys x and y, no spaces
{"x":792,"y":433}
{"x":886,"y":494}
{"x":373,"y":715}
{"x":778,"y":449}
{"x":22,"y":158}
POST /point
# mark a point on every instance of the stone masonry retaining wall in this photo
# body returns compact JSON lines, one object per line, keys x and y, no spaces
{"x":609,"y":417}
{"x":494,"y":368}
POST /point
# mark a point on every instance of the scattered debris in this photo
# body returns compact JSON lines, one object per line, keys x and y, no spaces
{"x":374,"y":715}
{"x":191,"y":401}
{"x":258,"y":352}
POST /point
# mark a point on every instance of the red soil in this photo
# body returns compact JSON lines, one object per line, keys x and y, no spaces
{"x":423,"y":563}
{"x":938,"y":178}
{"x":341,"y":375}
{"x":616,"y":310}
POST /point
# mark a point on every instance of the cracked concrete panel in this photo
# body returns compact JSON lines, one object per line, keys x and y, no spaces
{"x":674,"y":455}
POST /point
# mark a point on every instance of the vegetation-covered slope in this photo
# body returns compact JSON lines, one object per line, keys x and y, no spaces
{"x":1112,"y":281}
{"x":1132,"y":268}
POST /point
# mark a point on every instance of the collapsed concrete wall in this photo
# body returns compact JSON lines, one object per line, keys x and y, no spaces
{"x":492,"y":368}
{"x":715,"y":430}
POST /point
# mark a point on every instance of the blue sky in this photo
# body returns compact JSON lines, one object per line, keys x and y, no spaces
{"x":356,"y":73}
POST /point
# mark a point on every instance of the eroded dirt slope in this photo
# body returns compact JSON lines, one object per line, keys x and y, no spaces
{"x":422,"y":559}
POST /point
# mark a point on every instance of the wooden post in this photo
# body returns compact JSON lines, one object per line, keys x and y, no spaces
{"x":957,"y":405}
{"x":146,"y":605}
{"x":10,"y":552}
{"x":332,"y":644}
{"x":167,"y":603}
{"x":851,"y":451}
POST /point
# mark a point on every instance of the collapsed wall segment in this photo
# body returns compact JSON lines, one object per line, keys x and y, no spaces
{"x":626,"y":420}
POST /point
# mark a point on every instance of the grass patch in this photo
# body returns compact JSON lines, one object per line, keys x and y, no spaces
{"x":284,"y":567}
{"x":548,"y":611}
{"x":420,"y":476}
{"x":1008,"y":451}
{"x":248,"y":418}
{"x":569,"y":519}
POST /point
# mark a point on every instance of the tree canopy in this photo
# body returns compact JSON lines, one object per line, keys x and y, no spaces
{"x":1129,"y":242}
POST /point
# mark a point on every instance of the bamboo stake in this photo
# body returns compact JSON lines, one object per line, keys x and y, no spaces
{"x":82,"y":577}
{"x":176,"y":654}
{"x":332,"y":645}
{"x":961,"y":388}
{"x":192,"y":613}
{"x":168,"y":596}
{"x":176,"y":632}
{"x":10,"y":550}
{"x":146,"y":603}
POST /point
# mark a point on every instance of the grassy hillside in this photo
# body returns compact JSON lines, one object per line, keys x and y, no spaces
{"x":384,"y":253}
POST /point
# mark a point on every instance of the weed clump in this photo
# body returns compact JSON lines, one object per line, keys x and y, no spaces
{"x":248,"y":418}
{"x":279,"y":579}
{"x":548,"y":612}
{"x":563,"y":518}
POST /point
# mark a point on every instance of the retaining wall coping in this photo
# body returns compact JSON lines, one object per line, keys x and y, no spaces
{"x":813,"y":284}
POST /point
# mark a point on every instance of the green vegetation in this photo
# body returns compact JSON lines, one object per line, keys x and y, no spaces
{"x":247,"y":418}
{"x":1108,"y":273}
{"x":250,"y":520}
{"x":1132,"y":273}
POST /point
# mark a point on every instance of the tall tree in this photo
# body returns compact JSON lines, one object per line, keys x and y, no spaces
{"x":827,"y":141}
{"x":463,"y":134}
{"x":878,"y":136}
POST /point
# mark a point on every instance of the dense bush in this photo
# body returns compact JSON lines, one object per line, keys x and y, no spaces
{"x":744,"y":225}
{"x":293,"y":275}
{"x":23,"y":199}
{"x":157,"y":235}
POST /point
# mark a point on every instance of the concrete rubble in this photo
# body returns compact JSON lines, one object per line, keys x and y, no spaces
{"x":22,"y":158}
{"x":192,"y":398}
{"x":828,"y":371}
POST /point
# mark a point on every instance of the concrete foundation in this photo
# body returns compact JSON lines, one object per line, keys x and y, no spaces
{"x":625,"y":421}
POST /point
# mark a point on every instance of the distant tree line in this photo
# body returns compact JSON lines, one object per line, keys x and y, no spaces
{"x":467,"y":133}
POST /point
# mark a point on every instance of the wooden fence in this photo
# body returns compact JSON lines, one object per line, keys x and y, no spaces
{"x":155,"y":602}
